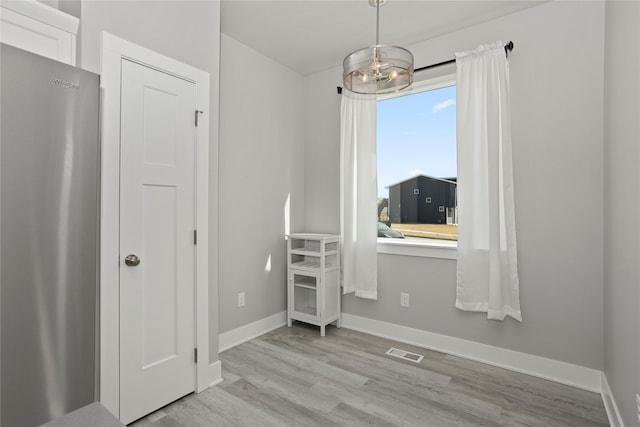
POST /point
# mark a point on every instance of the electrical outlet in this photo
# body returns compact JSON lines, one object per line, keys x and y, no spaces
{"x":404,"y":299}
{"x":241,"y":299}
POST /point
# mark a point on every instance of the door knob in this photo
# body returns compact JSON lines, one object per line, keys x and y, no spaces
{"x":132,"y":260}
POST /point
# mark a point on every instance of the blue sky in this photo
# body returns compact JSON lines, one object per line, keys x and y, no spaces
{"x":416,"y":135}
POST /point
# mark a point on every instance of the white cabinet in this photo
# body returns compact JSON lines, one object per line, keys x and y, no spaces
{"x":313,"y":269}
{"x":38,"y":28}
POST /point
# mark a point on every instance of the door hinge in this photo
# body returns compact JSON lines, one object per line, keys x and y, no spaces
{"x":195,"y":237}
{"x":196,"y":116}
{"x":195,"y":355}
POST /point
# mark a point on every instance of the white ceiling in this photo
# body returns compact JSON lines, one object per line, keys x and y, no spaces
{"x":314,"y":35}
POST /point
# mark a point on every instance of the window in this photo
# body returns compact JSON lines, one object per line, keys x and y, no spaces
{"x":417,"y":165}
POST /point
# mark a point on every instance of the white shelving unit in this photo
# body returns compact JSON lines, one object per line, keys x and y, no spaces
{"x":313,"y":270}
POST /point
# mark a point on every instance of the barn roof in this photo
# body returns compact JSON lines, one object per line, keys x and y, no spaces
{"x":450,"y":180}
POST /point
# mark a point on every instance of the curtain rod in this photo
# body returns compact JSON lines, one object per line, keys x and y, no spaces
{"x":507,"y":48}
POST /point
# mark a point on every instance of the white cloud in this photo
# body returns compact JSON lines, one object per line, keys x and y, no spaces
{"x":443,"y":105}
{"x":416,"y":171}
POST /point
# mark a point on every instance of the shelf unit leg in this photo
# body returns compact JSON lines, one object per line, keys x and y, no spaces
{"x":339,"y":322}
{"x":322,"y":330}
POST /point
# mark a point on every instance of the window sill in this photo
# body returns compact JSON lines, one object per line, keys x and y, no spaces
{"x":444,"y":249}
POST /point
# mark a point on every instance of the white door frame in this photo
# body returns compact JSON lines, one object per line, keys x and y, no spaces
{"x":114,"y":50}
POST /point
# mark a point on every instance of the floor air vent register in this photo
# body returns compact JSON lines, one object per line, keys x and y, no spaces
{"x":406,"y":355}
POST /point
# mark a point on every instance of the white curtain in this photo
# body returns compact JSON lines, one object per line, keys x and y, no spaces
{"x":487,"y":275}
{"x":358,"y":195}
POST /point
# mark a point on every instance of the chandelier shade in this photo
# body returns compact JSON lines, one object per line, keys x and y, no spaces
{"x":380,"y":68}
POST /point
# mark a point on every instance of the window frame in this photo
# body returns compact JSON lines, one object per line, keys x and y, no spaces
{"x":433,"y":248}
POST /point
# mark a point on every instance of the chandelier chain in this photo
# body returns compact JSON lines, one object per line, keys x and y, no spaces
{"x":377,"y":23}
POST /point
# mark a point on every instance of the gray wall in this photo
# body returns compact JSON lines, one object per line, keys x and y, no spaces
{"x":557,"y":113}
{"x":188,"y":31}
{"x":322,"y":152}
{"x":262,"y":165}
{"x":52,"y":3}
{"x":622,"y":205}
{"x":72,"y":7}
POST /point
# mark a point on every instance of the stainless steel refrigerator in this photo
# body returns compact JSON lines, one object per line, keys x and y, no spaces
{"x":48,"y":233}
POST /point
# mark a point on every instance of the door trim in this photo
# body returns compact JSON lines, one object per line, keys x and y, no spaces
{"x":114,"y":50}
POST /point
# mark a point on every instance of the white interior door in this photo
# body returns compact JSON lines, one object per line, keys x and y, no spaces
{"x":157,"y":221}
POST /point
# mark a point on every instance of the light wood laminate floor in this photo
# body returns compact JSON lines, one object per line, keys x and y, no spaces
{"x":293,"y":377}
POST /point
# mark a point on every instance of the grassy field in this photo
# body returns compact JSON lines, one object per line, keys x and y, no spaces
{"x":428,"y":231}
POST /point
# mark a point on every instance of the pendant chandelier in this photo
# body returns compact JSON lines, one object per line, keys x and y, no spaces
{"x":379,"y":68}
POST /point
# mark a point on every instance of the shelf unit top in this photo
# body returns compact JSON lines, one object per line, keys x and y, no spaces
{"x":314,"y":236}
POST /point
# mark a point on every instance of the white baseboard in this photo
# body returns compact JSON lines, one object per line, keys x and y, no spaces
{"x":613,"y":413}
{"x":248,"y":332}
{"x":549,"y":369}
{"x":215,"y":373}
{"x":212,"y":376}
